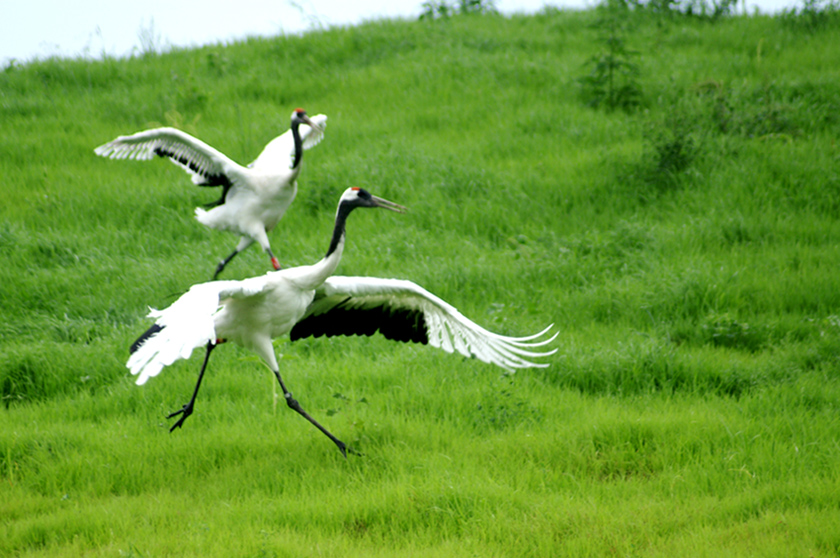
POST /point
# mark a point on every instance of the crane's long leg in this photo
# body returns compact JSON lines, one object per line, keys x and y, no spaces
{"x":224,"y":262}
{"x":274,"y":261}
{"x":244,"y":243}
{"x":187,"y":409}
{"x":292,"y":402}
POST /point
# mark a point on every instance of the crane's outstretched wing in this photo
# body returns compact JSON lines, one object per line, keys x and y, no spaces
{"x":185,"y":325}
{"x":404,"y":311}
{"x":206,"y":165}
{"x":313,"y":136}
{"x":278,"y":150}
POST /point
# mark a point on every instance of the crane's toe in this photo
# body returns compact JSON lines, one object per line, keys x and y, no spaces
{"x":184,"y":411}
{"x":353,"y":451}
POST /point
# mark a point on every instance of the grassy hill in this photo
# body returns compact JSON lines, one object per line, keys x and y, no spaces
{"x":687,"y":249}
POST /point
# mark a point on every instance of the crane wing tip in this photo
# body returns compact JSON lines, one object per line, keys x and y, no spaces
{"x":103,"y":150}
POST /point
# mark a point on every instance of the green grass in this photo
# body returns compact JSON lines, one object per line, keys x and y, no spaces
{"x":687,"y":252}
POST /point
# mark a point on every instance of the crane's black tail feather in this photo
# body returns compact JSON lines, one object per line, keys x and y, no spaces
{"x":142,"y":339}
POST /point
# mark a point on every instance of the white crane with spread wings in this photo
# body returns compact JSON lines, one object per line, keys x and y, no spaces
{"x":254,"y":198}
{"x":309,"y":301}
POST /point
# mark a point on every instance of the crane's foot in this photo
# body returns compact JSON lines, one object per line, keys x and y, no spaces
{"x":345,"y":449}
{"x":184,"y":411}
{"x":341,"y":447}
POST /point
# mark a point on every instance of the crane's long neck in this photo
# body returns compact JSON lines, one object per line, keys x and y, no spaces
{"x":298,"y":144}
{"x":339,"y":232}
{"x":322,"y":270}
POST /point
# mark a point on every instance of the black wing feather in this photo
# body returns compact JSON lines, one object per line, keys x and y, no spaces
{"x":209,"y":179}
{"x":396,"y":324}
{"x":142,"y":339}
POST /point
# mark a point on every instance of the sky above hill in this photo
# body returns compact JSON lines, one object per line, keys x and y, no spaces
{"x":90,"y":28}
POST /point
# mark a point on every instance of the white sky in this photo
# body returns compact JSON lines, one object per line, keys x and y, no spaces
{"x":42,"y":28}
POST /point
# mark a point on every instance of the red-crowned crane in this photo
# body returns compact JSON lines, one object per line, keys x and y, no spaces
{"x":308,"y":301}
{"x":254,"y":198}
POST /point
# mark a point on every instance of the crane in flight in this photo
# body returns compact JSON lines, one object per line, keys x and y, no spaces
{"x":254,"y":198}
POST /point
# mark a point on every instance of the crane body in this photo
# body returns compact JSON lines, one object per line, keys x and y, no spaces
{"x":254,"y":198}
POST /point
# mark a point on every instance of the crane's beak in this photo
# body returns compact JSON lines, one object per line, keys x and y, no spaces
{"x":385,"y":204}
{"x":311,"y":124}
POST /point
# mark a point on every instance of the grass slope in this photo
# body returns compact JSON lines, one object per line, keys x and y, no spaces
{"x":687,"y":251}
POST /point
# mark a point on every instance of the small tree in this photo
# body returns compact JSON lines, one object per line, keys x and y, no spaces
{"x":711,"y":9}
{"x":813,"y":15}
{"x":612,"y":80}
{"x":437,"y":9}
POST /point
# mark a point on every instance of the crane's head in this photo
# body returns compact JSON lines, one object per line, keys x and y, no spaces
{"x":359,"y":197}
{"x":299,"y":117}
{"x":350,"y":200}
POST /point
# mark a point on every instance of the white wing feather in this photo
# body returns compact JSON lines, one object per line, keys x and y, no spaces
{"x":278,"y":151}
{"x":447,"y":328}
{"x":193,"y":155}
{"x":186,"y":325}
{"x":312,"y":137}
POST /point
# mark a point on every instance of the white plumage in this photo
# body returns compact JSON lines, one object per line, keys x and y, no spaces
{"x":254,"y":198}
{"x":404,"y":311}
{"x":308,"y":301}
